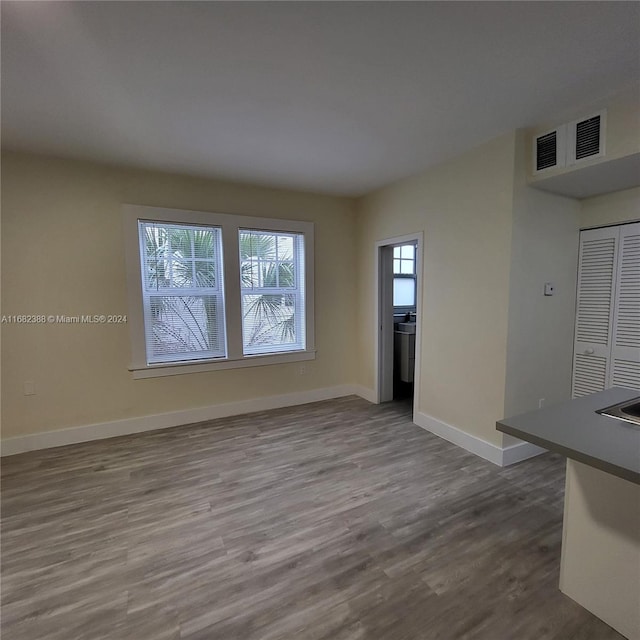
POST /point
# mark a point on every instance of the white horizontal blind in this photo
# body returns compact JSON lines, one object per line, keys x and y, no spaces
{"x":626,"y":334}
{"x":182,"y":291}
{"x":272,"y":290}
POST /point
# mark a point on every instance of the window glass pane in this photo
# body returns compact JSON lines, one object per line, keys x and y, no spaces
{"x":157,"y":274}
{"x":259,"y":274}
{"x":286,"y":274}
{"x":257,"y":244}
{"x":396,"y":266}
{"x":249,"y":273}
{"x":268,"y":322}
{"x":184,"y":328}
{"x":406,"y":266}
{"x":285,"y":247}
{"x":204,"y":243}
{"x":181,"y":274}
{"x":269,"y":274}
{"x":258,"y":251}
{"x":272,"y":291}
{"x":180,"y":241}
{"x":155,"y":241}
{"x":205,"y":273}
{"x":407,"y":251}
{"x":396,"y":252}
{"x":167,"y":250}
{"x":404,"y":292}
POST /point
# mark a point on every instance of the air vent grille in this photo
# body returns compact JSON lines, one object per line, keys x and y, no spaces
{"x":588,"y":138}
{"x":546,"y":151}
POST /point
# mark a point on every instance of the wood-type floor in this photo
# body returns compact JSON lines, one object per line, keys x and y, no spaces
{"x":338,"y":520}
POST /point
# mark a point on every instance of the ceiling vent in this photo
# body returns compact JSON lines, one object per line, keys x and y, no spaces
{"x":570,"y":144}
{"x":586,"y":138}
{"x":549,"y":149}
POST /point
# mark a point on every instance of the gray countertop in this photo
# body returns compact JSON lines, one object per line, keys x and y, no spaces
{"x":575,"y":430}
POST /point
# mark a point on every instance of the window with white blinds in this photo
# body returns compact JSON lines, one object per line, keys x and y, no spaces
{"x":607,"y":336}
{"x":182,"y":291}
{"x":210,"y":291}
{"x":272,"y":284}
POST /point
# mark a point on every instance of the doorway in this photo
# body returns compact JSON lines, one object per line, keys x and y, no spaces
{"x":399,"y":318}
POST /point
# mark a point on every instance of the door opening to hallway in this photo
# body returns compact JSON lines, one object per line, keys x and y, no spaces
{"x":398,"y":323}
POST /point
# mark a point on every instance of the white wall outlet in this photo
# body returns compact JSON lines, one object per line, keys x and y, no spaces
{"x":548,"y":289}
{"x":303,"y":369}
{"x":29,"y":388}
{"x":541,"y":403}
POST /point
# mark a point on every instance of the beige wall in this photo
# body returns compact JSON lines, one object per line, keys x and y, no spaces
{"x":62,"y":252}
{"x":544,"y":248}
{"x":487,"y":331}
{"x":611,"y":208}
{"x":464,"y":209}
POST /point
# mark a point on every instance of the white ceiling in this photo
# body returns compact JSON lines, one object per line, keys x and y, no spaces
{"x":334,"y":97}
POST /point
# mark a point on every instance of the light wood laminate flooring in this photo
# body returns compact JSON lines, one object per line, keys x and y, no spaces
{"x":338,"y":520}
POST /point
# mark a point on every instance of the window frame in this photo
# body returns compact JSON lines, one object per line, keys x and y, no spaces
{"x":194,"y":291}
{"x":296,"y":290}
{"x":403,"y":309}
{"x":230,"y":225}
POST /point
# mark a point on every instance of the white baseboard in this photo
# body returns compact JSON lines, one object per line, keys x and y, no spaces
{"x":365,"y":392}
{"x":476,"y":445}
{"x":519,"y":452}
{"x":73,"y":435}
{"x":491,"y":452}
{"x":48,"y":439}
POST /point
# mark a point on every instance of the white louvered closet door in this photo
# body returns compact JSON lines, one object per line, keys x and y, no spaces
{"x":607,"y":337}
{"x":597,"y":270}
{"x":625,"y":352}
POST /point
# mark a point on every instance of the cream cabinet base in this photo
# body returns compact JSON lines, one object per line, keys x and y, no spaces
{"x":404,"y":355}
{"x":600,"y":566}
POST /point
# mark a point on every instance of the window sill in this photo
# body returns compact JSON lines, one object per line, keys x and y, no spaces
{"x":176,"y":369}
